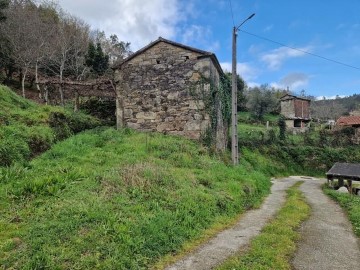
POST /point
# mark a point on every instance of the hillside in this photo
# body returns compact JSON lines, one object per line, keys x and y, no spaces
{"x":120,"y":200}
{"x":27,"y":129}
{"x":334,"y":108}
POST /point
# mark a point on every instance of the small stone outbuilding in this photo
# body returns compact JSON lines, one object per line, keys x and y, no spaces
{"x":165,"y":87}
{"x":296,"y":111}
{"x":350,"y":121}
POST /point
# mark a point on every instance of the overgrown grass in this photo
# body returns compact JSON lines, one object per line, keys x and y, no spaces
{"x":120,"y":200}
{"x":273,"y":248}
{"x":27,"y":129}
{"x":351,"y":204}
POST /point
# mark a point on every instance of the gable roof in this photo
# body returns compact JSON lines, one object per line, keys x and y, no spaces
{"x":290,"y":97}
{"x":348,"y":120}
{"x":211,"y":55}
{"x":345,"y":170}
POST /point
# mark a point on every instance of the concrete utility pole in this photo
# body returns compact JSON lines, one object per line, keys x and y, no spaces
{"x":234,"y":120}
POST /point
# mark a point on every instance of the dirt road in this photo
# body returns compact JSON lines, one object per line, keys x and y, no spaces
{"x":328,"y":241}
{"x":228,"y":242}
{"x":327,"y":238}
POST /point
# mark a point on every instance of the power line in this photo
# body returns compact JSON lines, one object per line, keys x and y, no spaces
{"x":232,"y":13}
{"x":300,"y":50}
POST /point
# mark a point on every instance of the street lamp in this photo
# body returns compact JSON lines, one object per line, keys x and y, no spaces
{"x":234,"y":137}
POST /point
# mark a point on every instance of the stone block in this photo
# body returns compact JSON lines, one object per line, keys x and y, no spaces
{"x":343,"y":190}
{"x":146,"y":115}
{"x":193,"y":125}
{"x":133,"y":125}
{"x":194,"y":135}
{"x":198,"y":116}
{"x":128,"y":113}
{"x":173,"y":95}
{"x":196,"y":105}
{"x":169,"y":119}
{"x":165,"y":126}
{"x":195,"y":77}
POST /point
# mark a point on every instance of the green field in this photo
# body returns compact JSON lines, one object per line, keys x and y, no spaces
{"x":120,"y":200}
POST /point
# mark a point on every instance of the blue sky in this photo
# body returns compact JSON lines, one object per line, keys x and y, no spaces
{"x":330,"y":29}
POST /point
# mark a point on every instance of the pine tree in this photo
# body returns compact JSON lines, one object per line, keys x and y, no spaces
{"x":96,"y":59}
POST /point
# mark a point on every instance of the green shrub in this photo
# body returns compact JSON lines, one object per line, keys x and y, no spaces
{"x":28,"y":129}
{"x":13,"y":150}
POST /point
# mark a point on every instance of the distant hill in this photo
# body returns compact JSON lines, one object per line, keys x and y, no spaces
{"x":334,"y":108}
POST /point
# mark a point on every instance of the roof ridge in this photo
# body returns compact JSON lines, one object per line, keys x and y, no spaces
{"x":161,"y":39}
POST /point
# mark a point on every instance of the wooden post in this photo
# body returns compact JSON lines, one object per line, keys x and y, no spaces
{"x":350,"y":186}
{"x":234,"y":130}
{"x":340,"y":182}
{"x":119,"y":114}
{"x":76,"y":101}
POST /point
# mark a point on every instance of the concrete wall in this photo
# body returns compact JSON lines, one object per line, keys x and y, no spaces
{"x":157,"y":91}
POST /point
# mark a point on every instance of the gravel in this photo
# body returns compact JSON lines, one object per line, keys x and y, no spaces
{"x":230,"y":241}
{"x":328,"y":241}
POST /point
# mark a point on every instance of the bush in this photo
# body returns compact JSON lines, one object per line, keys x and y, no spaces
{"x":13,"y":150}
{"x":27,"y":129}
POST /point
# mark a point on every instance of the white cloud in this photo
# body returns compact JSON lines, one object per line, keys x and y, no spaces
{"x":138,"y":22}
{"x":294,"y":81}
{"x":330,"y":97}
{"x":245,"y":70}
{"x":201,"y":36}
{"x":275,"y":58}
{"x":253,"y":84}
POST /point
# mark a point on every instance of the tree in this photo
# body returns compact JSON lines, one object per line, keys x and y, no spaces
{"x":241,"y":87}
{"x":262,"y":100}
{"x":282,"y":128}
{"x":116,"y":50}
{"x":4,"y":4}
{"x":70,"y":43}
{"x":96,"y":59}
{"x":21,"y":30}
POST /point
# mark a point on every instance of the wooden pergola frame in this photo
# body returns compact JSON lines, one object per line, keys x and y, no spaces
{"x":96,"y":88}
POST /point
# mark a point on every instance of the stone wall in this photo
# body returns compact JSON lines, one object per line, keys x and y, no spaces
{"x":159,"y":90}
{"x":288,"y":108}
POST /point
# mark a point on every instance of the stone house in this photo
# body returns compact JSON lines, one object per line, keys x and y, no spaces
{"x":296,"y":111}
{"x":166,"y":87}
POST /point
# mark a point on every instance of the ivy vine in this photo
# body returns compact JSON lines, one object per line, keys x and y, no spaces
{"x":214,"y":97}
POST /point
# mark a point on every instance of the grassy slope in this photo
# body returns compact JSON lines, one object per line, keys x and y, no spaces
{"x":273,"y":248}
{"x":120,"y":200}
{"x":25,"y":127}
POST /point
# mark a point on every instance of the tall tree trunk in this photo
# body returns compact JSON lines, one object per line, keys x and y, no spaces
{"x":76,"y":102}
{"x":37,"y":80}
{"x":61,"y":90}
{"x":23,"y":81}
{"x":46,"y":94}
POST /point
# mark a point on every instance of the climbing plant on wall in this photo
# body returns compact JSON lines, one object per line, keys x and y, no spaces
{"x":216,"y":98}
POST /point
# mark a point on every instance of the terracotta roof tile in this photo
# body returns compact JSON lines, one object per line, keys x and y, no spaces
{"x":348,"y":120}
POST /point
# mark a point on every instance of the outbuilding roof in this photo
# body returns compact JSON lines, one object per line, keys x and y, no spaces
{"x":211,"y":55}
{"x":289,"y":97}
{"x":348,"y":121}
{"x":345,"y":170}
